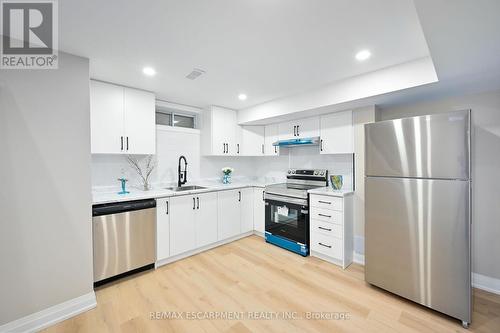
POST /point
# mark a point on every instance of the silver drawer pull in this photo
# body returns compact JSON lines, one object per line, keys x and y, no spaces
{"x":328,"y":246}
{"x":324,"y":229}
{"x":325,"y":202}
{"x":329,"y":216}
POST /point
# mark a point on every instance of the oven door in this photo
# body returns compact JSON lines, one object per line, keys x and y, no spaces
{"x":287,"y":217}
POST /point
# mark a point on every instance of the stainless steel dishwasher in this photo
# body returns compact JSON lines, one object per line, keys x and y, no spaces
{"x":124,"y":238}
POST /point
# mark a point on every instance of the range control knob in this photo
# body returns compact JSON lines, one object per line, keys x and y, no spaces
{"x":316,"y":172}
{"x":289,"y":171}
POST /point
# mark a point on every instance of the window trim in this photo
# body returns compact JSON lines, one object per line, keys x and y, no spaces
{"x":173,"y":113}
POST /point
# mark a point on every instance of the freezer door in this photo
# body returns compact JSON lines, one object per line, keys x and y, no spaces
{"x":418,"y":241}
{"x":434,"y":146}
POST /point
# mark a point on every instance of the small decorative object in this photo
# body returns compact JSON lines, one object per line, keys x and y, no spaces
{"x":123,"y":182}
{"x":226,"y":178}
{"x":336,"y":182}
{"x":144,"y":173}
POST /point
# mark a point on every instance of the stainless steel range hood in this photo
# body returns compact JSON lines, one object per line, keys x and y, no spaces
{"x":312,"y":141}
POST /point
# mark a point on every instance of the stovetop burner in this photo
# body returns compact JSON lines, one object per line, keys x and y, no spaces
{"x":299,"y":182}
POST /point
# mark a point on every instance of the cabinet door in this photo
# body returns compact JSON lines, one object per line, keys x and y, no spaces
{"x":252,"y":140}
{"x":337,"y":133}
{"x":106,"y":118}
{"x":307,"y":127}
{"x":162,"y":228}
{"x":223,"y":131}
{"x":139,"y":120}
{"x":287,"y":130}
{"x":206,"y":219}
{"x":271,"y":136}
{"x":259,"y":210}
{"x":182,"y":224}
{"x":246,"y":209}
{"x":229,"y":214}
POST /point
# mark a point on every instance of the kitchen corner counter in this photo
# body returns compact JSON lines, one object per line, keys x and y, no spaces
{"x":109,"y":196}
{"x":330,"y":192}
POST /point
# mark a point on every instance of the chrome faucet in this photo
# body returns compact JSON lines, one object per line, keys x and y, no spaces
{"x":182,"y":176}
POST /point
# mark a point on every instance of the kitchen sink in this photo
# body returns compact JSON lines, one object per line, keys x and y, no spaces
{"x":185,"y":188}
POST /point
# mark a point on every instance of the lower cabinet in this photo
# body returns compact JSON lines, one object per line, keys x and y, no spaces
{"x":246,"y":210}
{"x":193,"y":222}
{"x":259,"y":213}
{"x":206,"y":219}
{"x":182,"y":224}
{"x":229,"y":221}
{"x":162,"y":228}
{"x":331,"y":228}
{"x":187,"y":222}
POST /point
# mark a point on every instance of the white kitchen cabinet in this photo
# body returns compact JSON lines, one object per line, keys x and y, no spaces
{"x":139,"y":121}
{"x":162,"y":228}
{"x":336,"y":131}
{"x":182,"y":224}
{"x":250,"y":141}
{"x":271,"y":136}
{"x":259,"y":210}
{"x":246,"y":209}
{"x":122,"y":120}
{"x":206,"y":218}
{"x":106,"y":118}
{"x":229,"y":214}
{"x":331,"y":228}
{"x":219,"y":131}
{"x":299,"y":129}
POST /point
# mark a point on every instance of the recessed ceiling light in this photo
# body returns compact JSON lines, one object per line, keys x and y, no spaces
{"x":149,"y":71}
{"x":363,"y":55}
{"x":242,"y":97}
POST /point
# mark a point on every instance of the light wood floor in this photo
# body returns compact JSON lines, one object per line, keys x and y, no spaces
{"x":251,"y":276}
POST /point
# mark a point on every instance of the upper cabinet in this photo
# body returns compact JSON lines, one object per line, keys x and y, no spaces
{"x":122,"y":120}
{"x":222,"y":136}
{"x":250,"y":141}
{"x":337,"y":133}
{"x":300,"y":128}
{"x":271,"y":136}
{"x":219,"y":130}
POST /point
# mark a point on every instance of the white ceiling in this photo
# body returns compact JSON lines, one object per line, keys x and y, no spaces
{"x":265,"y":48}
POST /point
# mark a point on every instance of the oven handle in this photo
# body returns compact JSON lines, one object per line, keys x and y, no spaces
{"x":285,"y":200}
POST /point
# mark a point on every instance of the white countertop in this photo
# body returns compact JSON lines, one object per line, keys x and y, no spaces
{"x":102,"y":196}
{"x":330,"y":191}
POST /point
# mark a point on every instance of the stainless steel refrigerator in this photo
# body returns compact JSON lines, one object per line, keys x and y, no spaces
{"x":418,"y":210}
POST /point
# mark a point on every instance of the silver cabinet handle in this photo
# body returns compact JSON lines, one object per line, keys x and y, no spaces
{"x":329,"y":216}
{"x":239,"y":195}
{"x":325,"y":202}
{"x":328,"y":246}
{"x":294,"y":130}
{"x":238,"y":148}
{"x":324,"y":229}
{"x":197,"y":202}
{"x":127,"y":143}
{"x":262,"y":148}
{"x":321,"y":145}
{"x":194,"y":203}
{"x":121,"y":140}
{"x":167,"y":207}
{"x":298,"y":130}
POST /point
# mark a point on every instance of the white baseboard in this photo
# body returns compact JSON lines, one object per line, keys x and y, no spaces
{"x":50,"y":316}
{"x":486,"y":283}
{"x":358,"y":258}
{"x":169,"y":260}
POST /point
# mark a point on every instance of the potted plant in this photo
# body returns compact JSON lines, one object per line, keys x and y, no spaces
{"x":226,"y":178}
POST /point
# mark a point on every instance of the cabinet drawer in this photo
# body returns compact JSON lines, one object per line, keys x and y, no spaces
{"x":329,"y":246}
{"x":329,"y":229}
{"x":327,"y":215}
{"x":327,"y":202}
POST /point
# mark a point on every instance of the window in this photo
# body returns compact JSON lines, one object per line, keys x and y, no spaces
{"x":172,"y":117}
{"x":183,"y":121}
{"x":163,"y":118}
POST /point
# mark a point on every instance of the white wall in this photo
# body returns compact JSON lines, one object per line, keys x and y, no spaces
{"x":485,"y":169}
{"x":45,"y":202}
{"x":172,"y":143}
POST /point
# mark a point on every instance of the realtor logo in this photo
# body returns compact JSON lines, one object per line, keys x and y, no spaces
{"x":29,"y":34}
